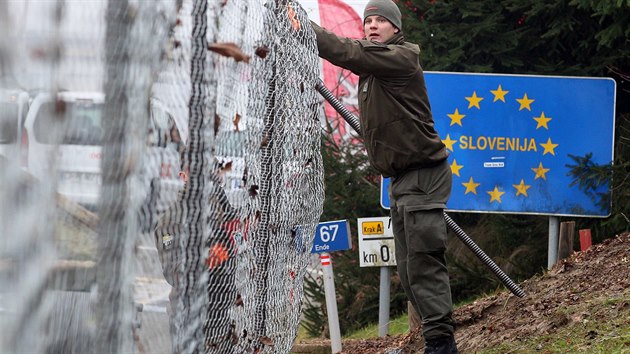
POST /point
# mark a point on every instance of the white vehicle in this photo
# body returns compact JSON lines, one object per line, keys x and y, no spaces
{"x":13,"y":109}
{"x":66,"y":131}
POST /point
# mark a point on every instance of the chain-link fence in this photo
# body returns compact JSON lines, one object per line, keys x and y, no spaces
{"x":150,"y":146}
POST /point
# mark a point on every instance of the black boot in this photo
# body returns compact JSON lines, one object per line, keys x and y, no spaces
{"x":441,"y":345}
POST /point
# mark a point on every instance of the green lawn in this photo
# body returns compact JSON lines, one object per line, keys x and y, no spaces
{"x":397,"y":326}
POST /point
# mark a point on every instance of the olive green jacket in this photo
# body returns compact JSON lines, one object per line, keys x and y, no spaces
{"x":395,"y":113}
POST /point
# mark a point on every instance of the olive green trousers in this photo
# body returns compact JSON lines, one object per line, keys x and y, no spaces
{"x":417,"y":200}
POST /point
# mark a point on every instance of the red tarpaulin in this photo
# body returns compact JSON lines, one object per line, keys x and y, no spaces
{"x":340,"y":18}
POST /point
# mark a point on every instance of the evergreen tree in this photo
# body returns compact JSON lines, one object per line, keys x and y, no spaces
{"x":561,"y":37}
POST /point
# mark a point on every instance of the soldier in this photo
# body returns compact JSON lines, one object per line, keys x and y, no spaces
{"x":402,"y":143}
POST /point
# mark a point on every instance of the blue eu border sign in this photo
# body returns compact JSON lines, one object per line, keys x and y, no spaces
{"x":332,"y":236}
{"x":511,"y":137}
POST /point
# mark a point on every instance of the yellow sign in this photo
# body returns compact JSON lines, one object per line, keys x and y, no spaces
{"x":372,"y":228}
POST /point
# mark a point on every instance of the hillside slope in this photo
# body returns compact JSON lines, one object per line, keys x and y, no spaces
{"x":581,"y":305}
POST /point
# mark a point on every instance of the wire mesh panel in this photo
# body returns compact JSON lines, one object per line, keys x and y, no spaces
{"x":291,"y":182}
{"x":165,"y":154}
{"x":76,"y":76}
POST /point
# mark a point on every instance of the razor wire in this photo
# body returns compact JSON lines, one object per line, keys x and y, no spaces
{"x":221,"y":90}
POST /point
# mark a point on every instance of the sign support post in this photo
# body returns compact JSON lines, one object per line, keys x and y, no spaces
{"x":383,"y":302}
{"x":552,"y":255}
{"x":331,"y":303}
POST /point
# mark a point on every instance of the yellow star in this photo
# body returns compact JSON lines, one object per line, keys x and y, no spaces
{"x":456,"y":117}
{"x":542,"y":121}
{"x":455,"y":168}
{"x":521,"y":188}
{"x":495,"y":194}
{"x":471,"y":186}
{"x":525,"y":102}
{"x":499,"y":94}
{"x":540,"y":171}
{"x":449,"y":142}
{"x":549,"y":147}
{"x":473,"y":101}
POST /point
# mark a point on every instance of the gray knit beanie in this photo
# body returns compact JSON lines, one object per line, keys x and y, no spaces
{"x":385,"y":8}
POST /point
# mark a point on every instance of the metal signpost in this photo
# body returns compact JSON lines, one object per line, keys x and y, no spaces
{"x":331,"y":236}
{"x":377,"y":249}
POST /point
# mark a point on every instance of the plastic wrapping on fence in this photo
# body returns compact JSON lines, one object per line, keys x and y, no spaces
{"x":161,"y":175}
